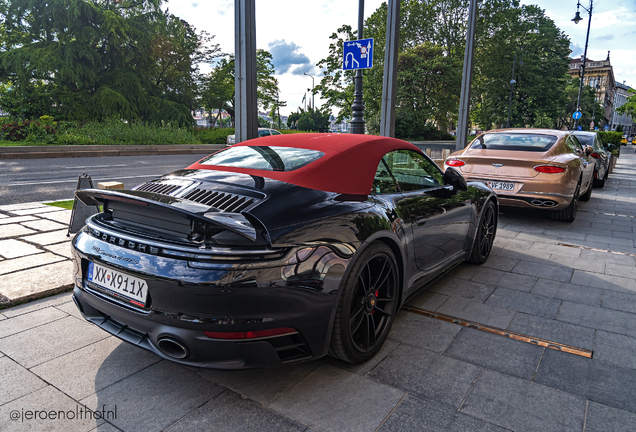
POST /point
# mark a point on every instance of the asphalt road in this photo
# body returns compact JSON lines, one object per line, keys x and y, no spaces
{"x":28,"y":180}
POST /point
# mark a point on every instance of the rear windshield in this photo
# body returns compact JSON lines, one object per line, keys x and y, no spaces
{"x":512,"y":141}
{"x":263,"y":158}
{"x":585,"y":139}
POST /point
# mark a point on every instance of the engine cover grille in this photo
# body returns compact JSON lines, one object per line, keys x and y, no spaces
{"x":222,"y":201}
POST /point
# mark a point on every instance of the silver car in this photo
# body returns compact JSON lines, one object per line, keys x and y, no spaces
{"x":601,"y":156}
{"x":231,"y":139}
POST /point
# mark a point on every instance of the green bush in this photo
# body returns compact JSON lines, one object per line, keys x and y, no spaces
{"x":611,"y":141}
{"x":46,"y":131}
{"x":213,"y":135}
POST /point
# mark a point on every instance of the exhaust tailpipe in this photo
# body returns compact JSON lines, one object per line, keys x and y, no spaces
{"x":172,"y":348}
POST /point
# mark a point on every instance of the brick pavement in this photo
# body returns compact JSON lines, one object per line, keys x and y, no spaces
{"x":569,"y":283}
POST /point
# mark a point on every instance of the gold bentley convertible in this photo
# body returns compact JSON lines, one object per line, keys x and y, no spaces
{"x":532,"y":168}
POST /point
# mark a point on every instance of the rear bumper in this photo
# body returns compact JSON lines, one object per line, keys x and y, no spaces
{"x":532,"y":193}
{"x":184,"y":302}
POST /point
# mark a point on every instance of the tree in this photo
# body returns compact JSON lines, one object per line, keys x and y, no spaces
{"x":217,"y":88}
{"x":503,"y":27}
{"x":629,"y":107}
{"x":221,"y":79}
{"x":564,"y":118}
{"x":316,"y":120}
{"x":542,"y":53}
{"x":92,"y":60}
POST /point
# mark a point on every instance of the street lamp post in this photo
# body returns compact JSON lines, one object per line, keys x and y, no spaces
{"x":512,"y":85}
{"x":576,"y":19}
{"x":357,"y":108}
{"x":598,"y":87}
{"x":312,"y":89}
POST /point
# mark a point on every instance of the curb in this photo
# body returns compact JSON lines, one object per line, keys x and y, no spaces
{"x":46,"y":152}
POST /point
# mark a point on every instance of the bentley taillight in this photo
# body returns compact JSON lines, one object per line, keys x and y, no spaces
{"x":455,"y":162}
{"x":595,"y":156}
{"x":549,"y":169}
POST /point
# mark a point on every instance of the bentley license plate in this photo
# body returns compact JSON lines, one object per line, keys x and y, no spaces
{"x":501,"y":185}
{"x":118,"y":283}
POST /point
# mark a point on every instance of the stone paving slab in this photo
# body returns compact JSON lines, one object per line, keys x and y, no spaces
{"x":14,"y":230}
{"x":230,"y":412}
{"x":41,"y":344}
{"x":51,"y":399}
{"x":95,"y":367}
{"x":415,"y":414}
{"x":427,"y":374}
{"x":140,"y":398}
{"x":615,"y":348}
{"x":263,"y":388}
{"x":553,"y":330}
{"x":520,"y":405}
{"x":520,"y":301}
{"x":26,"y":284}
{"x":601,"y":417}
{"x":15,"y":248}
{"x":595,"y":380}
{"x":48,"y":238}
{"x":313,"y":397}
{"x":27,"y":262}
{"x":497,"y":353}
{"x":15,"y":219}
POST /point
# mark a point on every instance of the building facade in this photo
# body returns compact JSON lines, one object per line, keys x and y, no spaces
{"x":622,"y":93}
{"x":600,"y":76}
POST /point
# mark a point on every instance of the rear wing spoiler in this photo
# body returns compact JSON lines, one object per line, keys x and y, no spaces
{"x":167,"y":208}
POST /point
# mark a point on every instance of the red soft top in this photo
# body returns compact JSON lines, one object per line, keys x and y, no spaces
{"x":348,"y":166}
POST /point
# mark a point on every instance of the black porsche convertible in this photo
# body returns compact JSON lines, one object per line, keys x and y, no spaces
{"x":277,"y":250}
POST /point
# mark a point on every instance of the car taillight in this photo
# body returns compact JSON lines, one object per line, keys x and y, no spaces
{"x":251,"y":334}
{"x":595,"y":156}
{"x":455,"y":162}
{"x":549,"y":169}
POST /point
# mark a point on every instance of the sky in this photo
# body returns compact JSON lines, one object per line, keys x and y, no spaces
{"x":296,"y":33}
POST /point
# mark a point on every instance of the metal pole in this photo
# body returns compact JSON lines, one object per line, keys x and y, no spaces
{"x":512,"y":84}
{"x":312,"y":89}
{"x":389,"y":82}
{"x":357,"y":108}
{"x":245,"y":70}
{"x":467,"y":75}
{"x":587,"y":37}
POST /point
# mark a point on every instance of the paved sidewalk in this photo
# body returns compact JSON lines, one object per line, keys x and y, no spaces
{"x":574,"y":284}
{"x":34,"y":252}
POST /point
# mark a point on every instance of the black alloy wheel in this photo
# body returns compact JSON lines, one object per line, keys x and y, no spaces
{"x":367,"y":305}
{"x":485,"y":235}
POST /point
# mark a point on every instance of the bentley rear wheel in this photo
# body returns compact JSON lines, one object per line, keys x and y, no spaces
{"x":367,"y":305}
{"x":568,"y":214}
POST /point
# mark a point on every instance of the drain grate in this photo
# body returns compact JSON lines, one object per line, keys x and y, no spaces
{"x":597,"y":250}
{"x":494,"y":330}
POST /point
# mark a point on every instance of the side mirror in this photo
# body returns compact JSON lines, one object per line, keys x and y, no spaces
{"x":588,"y":150}
{"x":454,"y":178}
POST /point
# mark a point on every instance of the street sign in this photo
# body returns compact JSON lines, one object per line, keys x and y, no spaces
{"x":577,"y":115}
{"x":606,"y":128}
{"x":579,"y":128}
{"x":596,"y":128}
{"x":592,"y":124}
{"x":357,"y":54}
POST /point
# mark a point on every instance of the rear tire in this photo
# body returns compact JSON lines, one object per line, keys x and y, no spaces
{"x":599,"y":183}
{"x":588,"y":193}
{"x":367,"y":306}
{"x":485,"y":237}
{"x":568,"y":214}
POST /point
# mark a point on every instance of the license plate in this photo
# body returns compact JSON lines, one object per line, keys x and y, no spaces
{"x":119,"y":284}
{"x":501,"y":185}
